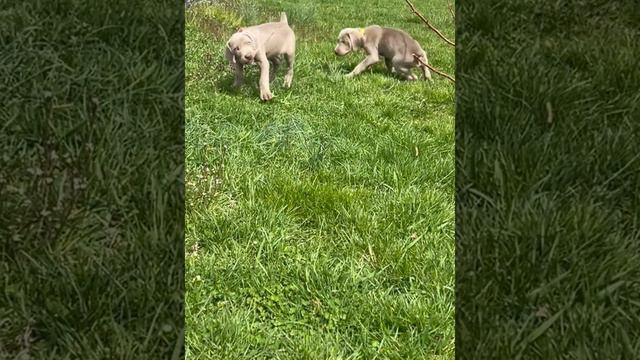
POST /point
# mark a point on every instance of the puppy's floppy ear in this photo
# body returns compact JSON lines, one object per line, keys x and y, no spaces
{"x":228,"y":54}
{"x":348,"y":35}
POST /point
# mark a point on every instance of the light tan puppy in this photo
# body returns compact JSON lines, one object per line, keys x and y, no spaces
{"x":394,"y":45}
{"x":262,"y":44}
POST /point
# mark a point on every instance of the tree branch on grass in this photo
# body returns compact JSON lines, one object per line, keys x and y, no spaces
{"x":415,"y":11}
{"x":417,"y":57}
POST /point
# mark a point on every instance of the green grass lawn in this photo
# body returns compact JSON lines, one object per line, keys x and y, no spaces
{"x":548,"y":180}
{"x":319,"y":225}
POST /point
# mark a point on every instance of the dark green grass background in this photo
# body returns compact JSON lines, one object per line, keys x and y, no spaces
{"x":548,"y":257}
{"x":91,"y":152}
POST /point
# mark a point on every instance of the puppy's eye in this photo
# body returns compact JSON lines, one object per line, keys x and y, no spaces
{"x":237,"y":48}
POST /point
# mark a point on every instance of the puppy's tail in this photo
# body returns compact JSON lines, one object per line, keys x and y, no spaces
{"x":283,"y":18}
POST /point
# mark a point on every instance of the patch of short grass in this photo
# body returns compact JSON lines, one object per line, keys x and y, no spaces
{"x":319,"y":225}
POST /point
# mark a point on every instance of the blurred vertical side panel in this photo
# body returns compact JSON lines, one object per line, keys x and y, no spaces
{"x":548,"y":180}
{"x":91,"y":159}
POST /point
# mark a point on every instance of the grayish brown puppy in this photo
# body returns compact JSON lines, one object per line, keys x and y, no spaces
{"x":263,"y":44}
{"x":394,"y":45}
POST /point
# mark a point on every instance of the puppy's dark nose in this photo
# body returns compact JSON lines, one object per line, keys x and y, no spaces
{"x":248,"y":57}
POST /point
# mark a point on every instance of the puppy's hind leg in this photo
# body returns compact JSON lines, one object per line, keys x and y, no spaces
{"x":275,"y":62}
{"x":389,"y":64}
{"x":426,"y":74}
{"x":406,"y":74}
{"x":288,"y":78}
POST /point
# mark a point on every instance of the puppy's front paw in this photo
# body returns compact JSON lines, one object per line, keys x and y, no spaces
{"x":350,"y":75}
{"x":266,"y":95}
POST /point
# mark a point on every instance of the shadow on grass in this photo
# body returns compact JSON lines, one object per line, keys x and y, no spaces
{"x":342,"y":69}
{"x":249,"y":88}
{"x":225,"y":85}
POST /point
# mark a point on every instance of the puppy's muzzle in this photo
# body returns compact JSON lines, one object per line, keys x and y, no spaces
{"x":245,"y":59}
{"x":340,"y":51}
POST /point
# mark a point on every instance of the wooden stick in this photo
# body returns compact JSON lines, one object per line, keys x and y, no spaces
{"x":415,"y":11}
{"x":417,"y":57}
